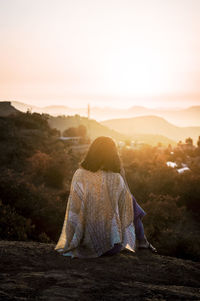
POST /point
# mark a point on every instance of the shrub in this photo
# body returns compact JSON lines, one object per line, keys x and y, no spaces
{"x":170,"y":228}
{"x":13,"y":225}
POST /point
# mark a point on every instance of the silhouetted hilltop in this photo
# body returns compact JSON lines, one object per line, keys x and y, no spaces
{"x":7,"y":109}
{"x":152,"y":125}
{"x":34,"y":271}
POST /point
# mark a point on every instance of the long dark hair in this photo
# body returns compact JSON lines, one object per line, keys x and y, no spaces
{"x":103,"y":155}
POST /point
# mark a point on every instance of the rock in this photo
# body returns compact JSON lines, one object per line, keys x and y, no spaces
{"x":7,"y":109}
{"x":34,"y":271}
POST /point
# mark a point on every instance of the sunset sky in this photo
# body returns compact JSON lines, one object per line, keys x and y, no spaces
{"x":109,"y":53}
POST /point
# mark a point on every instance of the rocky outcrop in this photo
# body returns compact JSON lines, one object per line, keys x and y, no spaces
{"x":34,"y":271}
{"x":7,"y":109}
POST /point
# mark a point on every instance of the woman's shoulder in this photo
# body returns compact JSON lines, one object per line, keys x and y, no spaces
{"x":78,"y":173}
{"x":116,"y":178}
{"x":81,"y":172}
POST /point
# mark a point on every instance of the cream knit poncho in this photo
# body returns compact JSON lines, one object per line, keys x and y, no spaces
{"x":99,"y":214}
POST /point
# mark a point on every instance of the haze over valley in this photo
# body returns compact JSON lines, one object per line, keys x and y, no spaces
{"x":178,"y":116}
{"x":150,"y":129}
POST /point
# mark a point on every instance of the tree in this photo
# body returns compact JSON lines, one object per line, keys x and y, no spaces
{"x":82,"y":131}
{"x":70,"y":132}
{"x":79,"y":131}
{"x":127,"y":142}
{"x":189,"y":141}
{"x":198,"y":142}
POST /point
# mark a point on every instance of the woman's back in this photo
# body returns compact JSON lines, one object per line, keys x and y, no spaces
{"x":99,"y":214}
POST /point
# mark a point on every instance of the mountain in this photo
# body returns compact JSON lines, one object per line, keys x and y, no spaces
{"x":152,"y":125}
{"x":7,"y":109}
{"x":34,"y":271}
{"x":179,"y":117}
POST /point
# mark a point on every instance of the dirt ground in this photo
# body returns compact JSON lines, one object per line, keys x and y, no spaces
{"x":34,"y":271}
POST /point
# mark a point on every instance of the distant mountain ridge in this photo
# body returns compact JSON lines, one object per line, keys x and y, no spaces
{"x":150,"y":129}
{"x":152,"y":125}
{"x":179,"y":117}
{"x":96,"y":129}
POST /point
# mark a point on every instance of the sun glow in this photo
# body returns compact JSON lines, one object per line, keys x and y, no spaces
{"x":63,"y":52}
{"x":135,"y":71}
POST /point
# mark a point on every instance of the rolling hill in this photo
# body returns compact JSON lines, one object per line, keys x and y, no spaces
{"x":152,"y":125}
{"x":178,"y":117}
{"x":96,"y":129}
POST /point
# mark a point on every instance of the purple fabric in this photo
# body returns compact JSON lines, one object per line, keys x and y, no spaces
{"x":138,"y":211}
{"x":116,"y":249}
{"x":139,"y":229}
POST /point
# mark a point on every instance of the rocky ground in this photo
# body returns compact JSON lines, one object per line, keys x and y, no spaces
{"x":34,"y":271}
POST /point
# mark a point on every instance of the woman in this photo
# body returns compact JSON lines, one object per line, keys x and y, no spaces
{"x":99,"y":217}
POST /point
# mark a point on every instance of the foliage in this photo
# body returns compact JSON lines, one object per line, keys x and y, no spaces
{"x":13,"y":225}
{"x":171,"y":228}
{"x":80,"y":131}
{"x":171,"y":200}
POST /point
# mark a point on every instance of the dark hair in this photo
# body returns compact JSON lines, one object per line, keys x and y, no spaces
{"x":103,"y":155}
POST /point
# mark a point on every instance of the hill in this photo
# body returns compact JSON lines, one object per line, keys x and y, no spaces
{"x":119,"y":129}
{"x":180,"y":117}
{"x":7,"y":109}
{"x":94,"y":128}
{"x":152,"y":125}
{"x":34,"y":271}
{"x":54,"y":110}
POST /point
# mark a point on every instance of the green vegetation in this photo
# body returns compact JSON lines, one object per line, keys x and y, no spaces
{"x":171,"y":200}
{"x":37,"y":168}
{"x":79,"y":131}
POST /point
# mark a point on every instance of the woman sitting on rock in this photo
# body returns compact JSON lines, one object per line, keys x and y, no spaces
{"x":102,"y":217}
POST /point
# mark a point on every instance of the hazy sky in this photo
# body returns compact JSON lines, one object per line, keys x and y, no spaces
{"x":107,"y":52}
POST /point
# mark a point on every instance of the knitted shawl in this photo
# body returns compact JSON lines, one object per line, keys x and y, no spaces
{"x":99,"y":214}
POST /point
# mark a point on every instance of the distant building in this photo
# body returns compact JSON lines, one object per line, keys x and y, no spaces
{"x":121,"y":144}
{"x":136,"y":144}
{"x":133,"y":144}
{"x":70,"y":140}
{"x":171,"y":164}
{"x":179,"y":170}
{"x":183,"y":169}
